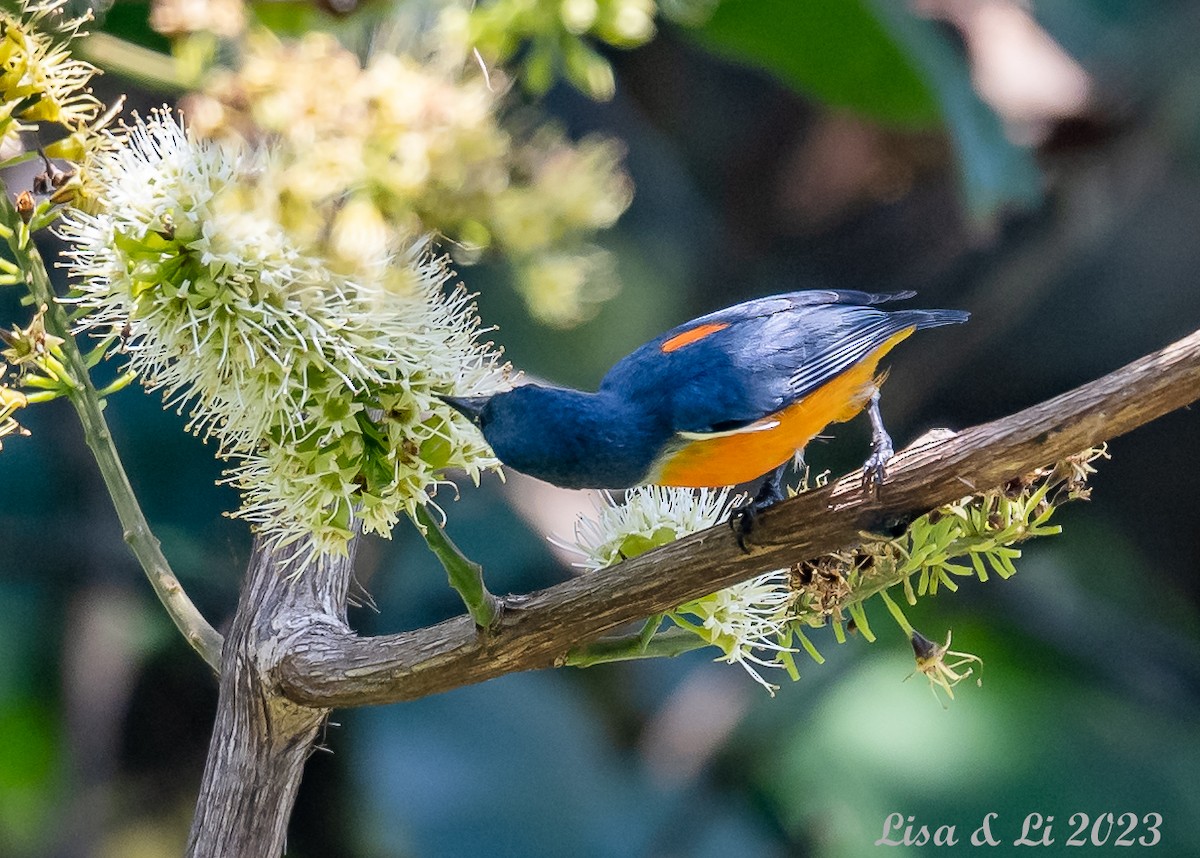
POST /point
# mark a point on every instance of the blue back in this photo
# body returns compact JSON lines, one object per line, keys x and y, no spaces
{"x":774,"y":351}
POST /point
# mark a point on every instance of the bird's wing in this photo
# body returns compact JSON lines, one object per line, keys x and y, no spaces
{"x":788,"y":302}
{"x":727,"y":371}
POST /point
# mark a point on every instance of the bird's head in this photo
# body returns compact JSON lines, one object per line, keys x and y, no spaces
{"x":546,"y":432}
{"x":508,"y":420}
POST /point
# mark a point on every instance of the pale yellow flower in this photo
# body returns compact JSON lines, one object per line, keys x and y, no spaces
{"x":319,"y":378}
{"x":414,"y":146}
{"x":40,"y":81}
{"x":226,"y":18}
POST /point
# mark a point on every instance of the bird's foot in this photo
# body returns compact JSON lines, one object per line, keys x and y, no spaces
{"x":745,"y":515}
{"x":875,"y":468}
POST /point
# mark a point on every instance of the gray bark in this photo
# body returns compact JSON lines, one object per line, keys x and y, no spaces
{"x":261,"y":738}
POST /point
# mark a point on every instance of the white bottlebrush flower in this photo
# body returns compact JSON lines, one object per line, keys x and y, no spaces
{"x":746,"y":621}
{"x":321,"y":382}
{"x":648,"y":517}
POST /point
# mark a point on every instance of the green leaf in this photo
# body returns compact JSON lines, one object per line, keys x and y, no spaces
{"x":130,"y":21}
{"x":789,"y":663}
{"x":635,"y":544}
{"x":980,"y":569}
{"x":538,"y":70}
{"x":289,"y":18}
{"x":877,"y":58}
{"x":587,"y":70}
{"x":798,"y":635}
{"x":436,"y":451}
{"x":28,"y":763}
{"x":995,"y":174}
{"x":835,"y":50}
{"x":859,"y":613}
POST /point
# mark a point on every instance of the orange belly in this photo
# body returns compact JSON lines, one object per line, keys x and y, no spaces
{"x":726,"y":460}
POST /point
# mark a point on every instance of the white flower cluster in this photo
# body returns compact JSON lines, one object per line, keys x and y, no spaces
{"x":746,"y":621}
{"x":648,"y":517}
{"x":320,"y":379}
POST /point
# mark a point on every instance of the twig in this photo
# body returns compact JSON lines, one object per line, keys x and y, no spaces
{"x":466,"y":576}
{"x":196,"y":630}
{"x":333,"y":667}
{"x":665,"y":644}
{"x":152,"y":69}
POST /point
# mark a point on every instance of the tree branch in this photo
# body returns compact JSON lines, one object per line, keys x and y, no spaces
{"x":666,"y":644}
{"x":261,"y":739}
{"x":333,"y":667}
{"x":89,"y":406}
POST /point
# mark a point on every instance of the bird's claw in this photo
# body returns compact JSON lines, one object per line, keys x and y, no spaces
{"x":875,"y":468}
{"x":742,"y":521}
{"x":745,"y":515}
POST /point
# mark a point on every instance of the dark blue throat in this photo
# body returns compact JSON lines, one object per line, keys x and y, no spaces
{"x":573,"y":439}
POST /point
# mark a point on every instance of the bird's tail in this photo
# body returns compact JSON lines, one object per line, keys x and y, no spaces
{"x":922,"y":319}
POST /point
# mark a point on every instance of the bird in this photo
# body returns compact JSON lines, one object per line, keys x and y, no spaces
{"x":721,"y":400}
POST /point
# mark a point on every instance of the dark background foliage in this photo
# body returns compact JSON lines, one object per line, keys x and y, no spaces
{"x":782,"y":146}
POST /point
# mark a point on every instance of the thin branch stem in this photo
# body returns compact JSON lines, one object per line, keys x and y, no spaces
{"x":650,"y":629}
{"x":88,"y":404}
{"x":334,"y":667}
{"x":666,"y":644}
{"x":465,"y":575}
{"x":148,"y":67}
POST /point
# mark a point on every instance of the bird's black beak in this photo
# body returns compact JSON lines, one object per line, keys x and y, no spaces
{"x":468,"y":406}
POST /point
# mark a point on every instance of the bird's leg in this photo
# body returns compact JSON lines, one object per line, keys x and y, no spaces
{"x":768,"y":494}
{"x":875,"y":468}
{"x":771,"y":490}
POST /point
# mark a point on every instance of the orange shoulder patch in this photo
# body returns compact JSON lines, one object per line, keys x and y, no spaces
{"x":694,"y":335}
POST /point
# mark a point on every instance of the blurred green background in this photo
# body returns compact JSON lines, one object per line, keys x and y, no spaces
{"x":1037,"y":166}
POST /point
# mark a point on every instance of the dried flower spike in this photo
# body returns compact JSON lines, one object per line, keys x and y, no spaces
{"x":933,"y":665}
